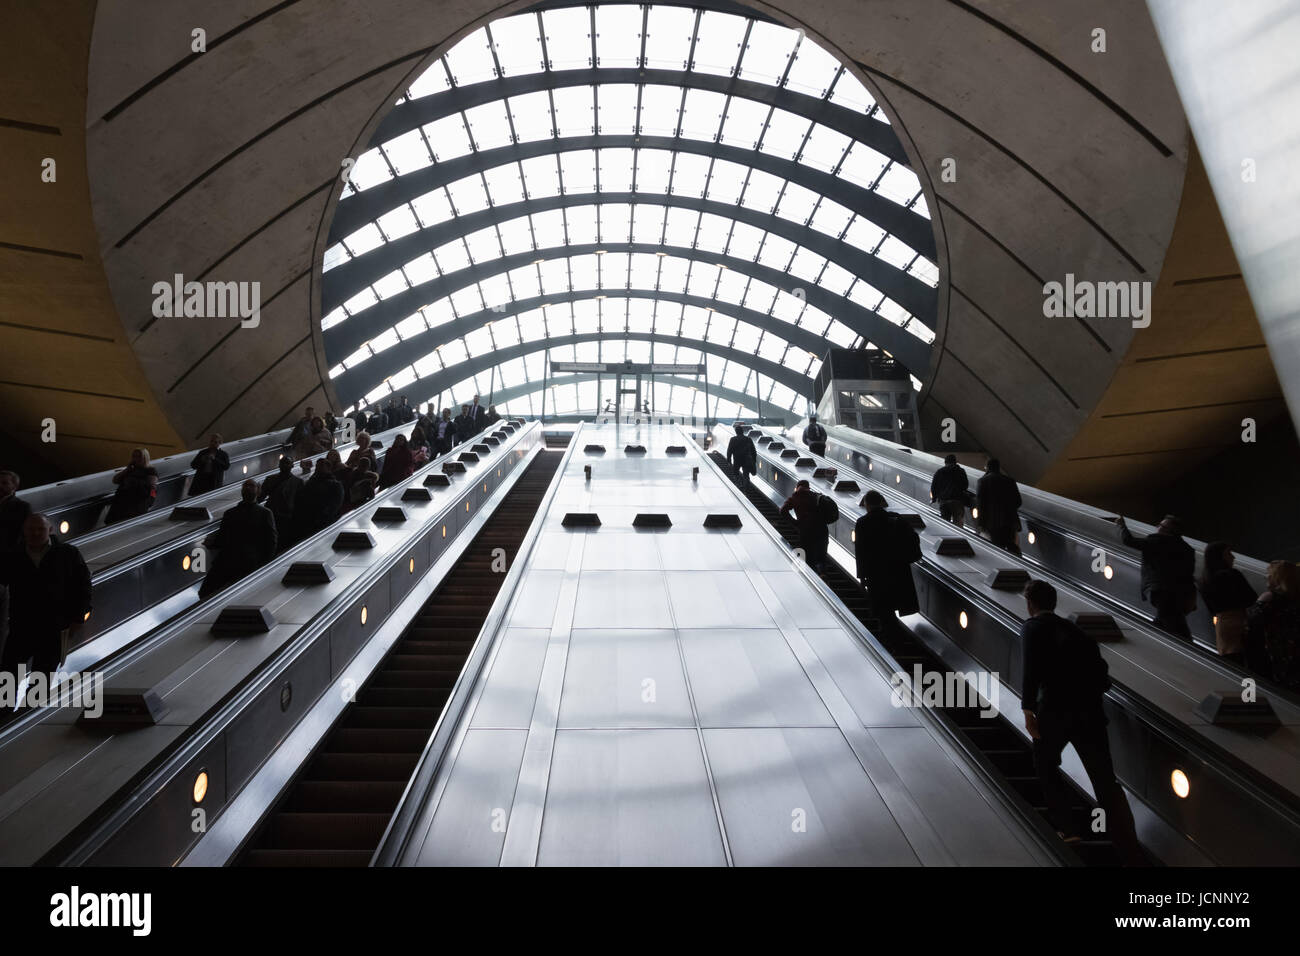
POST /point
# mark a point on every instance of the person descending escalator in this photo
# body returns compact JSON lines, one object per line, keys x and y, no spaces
{"x":886,"y":547}
{"x":814,"y":436}
{"x":13,"y":511}
{"x":1273,"y":627}
{"x":279,"y":493}
{"x":137,"y":489}
{"x":742,"y":455}
{"x":1064,"y":679}
{"x":49,"y":598}
{"x":209,"y":466}
{"x":319,"y":501}
{"x":949,"y":489}
{"x":399,"y":463}
{"x":811,"y":519}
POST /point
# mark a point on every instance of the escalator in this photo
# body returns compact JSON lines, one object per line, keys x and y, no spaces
{"x":336,"y":811}
{"x":995,"y":738}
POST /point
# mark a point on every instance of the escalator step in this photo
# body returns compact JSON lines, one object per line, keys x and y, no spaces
{"x":326,"y":831}
{"x":394,"y":717}
{"x":374,"y":741}
{"x":351,"y":766}
{"x":297,"y":858}
{"x":342,"y":796}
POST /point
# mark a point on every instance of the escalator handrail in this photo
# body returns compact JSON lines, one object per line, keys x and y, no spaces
{"x":114,"y":812}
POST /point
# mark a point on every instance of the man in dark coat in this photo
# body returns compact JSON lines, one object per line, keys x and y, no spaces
{"x":49,"y":593}
{"x":814,"y":436}
{"x":1168,"y":565}
{"x":319,"y":500}
{"x":303,"y":426}
{"x":443,"y":433}
{"x":279,"y":493}
{"x":464,"y":426}
{"x":882,"y":546}
{"x":244,"y":542}
{"x":948,"y":490}
{"x":742,"y":455}
{"x":997,"y":498}
{"x":814,"y":533}
{"x":209,"y":467}
{"x":1064,"y":679}
{"x":477,"y":417}
{"x":13,"y":511}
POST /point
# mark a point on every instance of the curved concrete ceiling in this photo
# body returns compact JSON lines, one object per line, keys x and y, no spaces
{"x":224,"y":165}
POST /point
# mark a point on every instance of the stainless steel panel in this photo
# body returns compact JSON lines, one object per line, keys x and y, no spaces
{"x":688,"y":550}
{"x":799,"y":797}
{"x":534,"y":605}
{"x":974,"y":832}
{"x":615,"y":599}
{"x":624,"y":678}
{"x":749,"y":678}
{"x":857,"y":679}
{"x":629,"y":798}
{"x":510,"y":687}
{"x":801,"y":602}
{"x":469,"y":828}
{"x":635,"y":552}
{"x":717,"y":599}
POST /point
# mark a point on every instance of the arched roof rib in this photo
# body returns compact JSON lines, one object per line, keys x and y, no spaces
{"x":342,"y":282}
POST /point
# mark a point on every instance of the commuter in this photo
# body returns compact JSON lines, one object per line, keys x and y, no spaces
{"x":303,"y":426}
{"x":319,"y":501}
{"x":949,"y":490}
{"x":331,"y":423}
{"x":814,"y":436}
{"x":304,"y":466}
{"x":419,"y":445}
{"x":1168,"y":563}
{"x":378,"y":419}
{"x":742,"y":455}
{"x":49,"y":598}
{"x":814,"y":531}
{"x":427,"y":419}
{"x":476,"y":416}
{"x":399,"y":463}
{"x":244,"y":542}
{"x":279,"y":492}
{"x":1064,"y":679}
{"x":444,"y":433}
{"x":13,"y":511}
{"x":997,"y":498}
{"x":209,"y":467}
{"x":1227,"y":595}
{"x":316,"y":440}
{"x":492,"y":417}
{"x":463,"y":425}
{"x":363,"y":450}
{"x":886,"y":547}
{"x":408,"y":413}
{"x":137,"y":489}
{"x":359,"y":483}
{"x":1273,"y":627}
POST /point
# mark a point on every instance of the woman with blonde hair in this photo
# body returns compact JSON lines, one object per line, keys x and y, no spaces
{"x":137,"y":489}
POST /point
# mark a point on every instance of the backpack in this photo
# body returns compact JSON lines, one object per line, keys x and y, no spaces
{"x":1079,"y":655}
{"x":907,"y":543}
{"x":828,"y":509}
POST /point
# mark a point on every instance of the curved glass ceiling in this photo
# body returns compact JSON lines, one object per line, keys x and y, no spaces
{"x":619,"y":182}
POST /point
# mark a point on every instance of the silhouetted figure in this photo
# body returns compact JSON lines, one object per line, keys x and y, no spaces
{"x":1063,"y":683}
{"x":331,"y":423}
{"x":421,"y":450}
{"x":1273,"y":627}
{"x":244,"y":542}
{"x":399,"y":463}
{"x":319,"y":502}
{"x":814,"y":533}
{"x":949,"y":490}
{"x":363,"y":450}
{"x":463,"y":425}
{"x":886,"y":546}
{"x":742,"y":455}
{"x":137,"y":489}
{"x":13,"y":511}
{"x":49,"y":598}
{"x":492,"y":417}
{"x":279,"y":493}
{"x":209,"y":467}
{"x":302,"y":428}
{"x":477,"y":417}
{"x":1168,"y":563}
{"x":997,"y":498}
{"x":814,"y":436}
{"x":317,"y":440}
{"x":1227,"y":594}
{"x":444,"y":433}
